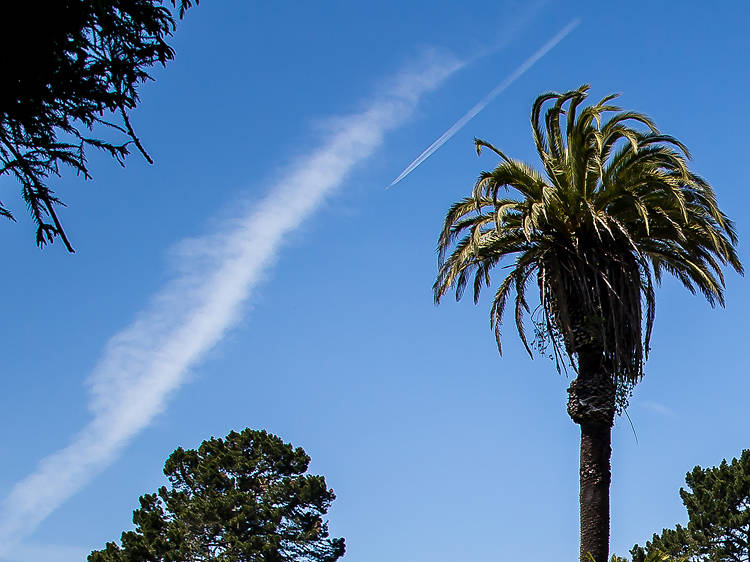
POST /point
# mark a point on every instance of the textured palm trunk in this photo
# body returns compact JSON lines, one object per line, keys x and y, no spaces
{"x":594,"y":495}
{"x":591,"y":405}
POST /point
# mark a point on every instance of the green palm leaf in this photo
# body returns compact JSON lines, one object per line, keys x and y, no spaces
{"x":615,"y":207}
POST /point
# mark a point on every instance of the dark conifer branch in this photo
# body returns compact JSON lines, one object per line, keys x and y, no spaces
{"x":82,"y":62}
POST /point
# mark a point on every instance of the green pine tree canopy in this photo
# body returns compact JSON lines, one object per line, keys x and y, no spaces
{"x":718,"y":506}
{"x":242,"y":498}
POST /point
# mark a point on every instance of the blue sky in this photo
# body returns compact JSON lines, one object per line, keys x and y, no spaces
{"x":260,"y":275}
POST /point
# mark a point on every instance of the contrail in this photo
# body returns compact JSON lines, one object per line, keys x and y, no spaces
{"x":142,"y":365}
{"x":496,"y":91}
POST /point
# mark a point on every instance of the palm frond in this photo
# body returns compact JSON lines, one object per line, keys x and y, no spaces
{"x":613,"y":209}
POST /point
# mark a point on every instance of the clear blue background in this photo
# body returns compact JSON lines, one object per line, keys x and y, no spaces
{"x":437,"y":448}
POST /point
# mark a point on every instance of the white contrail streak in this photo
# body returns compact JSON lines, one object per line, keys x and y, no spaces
{"x":147,"y":361}
{"x":496,"y":91}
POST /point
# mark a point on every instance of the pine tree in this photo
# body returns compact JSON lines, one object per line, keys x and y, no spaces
{"x":718,"y":505}
{"x":242,"y":498}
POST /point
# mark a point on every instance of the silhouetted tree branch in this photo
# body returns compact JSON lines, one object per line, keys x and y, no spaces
{"x":71,"y":67}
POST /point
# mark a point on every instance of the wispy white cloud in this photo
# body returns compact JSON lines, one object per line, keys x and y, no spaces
{"x":659,"y":408}
{"x":485,"y":101}
{"x":148,"y":360}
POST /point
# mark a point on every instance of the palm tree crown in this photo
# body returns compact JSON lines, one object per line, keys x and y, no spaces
{"x":615,"y":208}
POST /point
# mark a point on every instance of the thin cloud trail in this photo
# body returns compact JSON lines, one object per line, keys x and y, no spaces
{"x":484,"y":102}
{"x":507,"y":31}
{"x":147,"y":361}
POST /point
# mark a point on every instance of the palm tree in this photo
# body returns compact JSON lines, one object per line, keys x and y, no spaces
{"x":615,"y":208}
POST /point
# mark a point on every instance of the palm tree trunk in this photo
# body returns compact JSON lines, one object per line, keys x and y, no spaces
{"x":595,"y":476}
{"x":591,"y":405}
